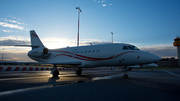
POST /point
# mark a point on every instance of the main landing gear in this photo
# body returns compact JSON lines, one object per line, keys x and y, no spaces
{"x":54,"y":71}
{"x":125,"y":75}
{"x":79,"y":71}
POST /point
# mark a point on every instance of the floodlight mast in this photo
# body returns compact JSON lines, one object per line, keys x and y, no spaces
{"x":79,"y":10}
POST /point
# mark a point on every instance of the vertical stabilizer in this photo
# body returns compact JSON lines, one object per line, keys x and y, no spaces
{"x":35,"y":41}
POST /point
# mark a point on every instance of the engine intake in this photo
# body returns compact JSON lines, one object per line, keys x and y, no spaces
{"x":39,"y":52}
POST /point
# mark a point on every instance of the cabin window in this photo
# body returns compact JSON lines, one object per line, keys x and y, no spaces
{"x":125,"y":48}
{"x":89,"y":52}
{"x":130,"y":48}
{"x":93,"y":51}
{"x":135,"y":47}
{"x":77,"y":52}
{"x":81,"y":52}
{"x":97,"y":51}
{"x":85,"y":51}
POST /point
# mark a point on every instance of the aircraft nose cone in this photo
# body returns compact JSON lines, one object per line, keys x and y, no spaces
{"x":154,"y":58}
{"x":150,"y":58}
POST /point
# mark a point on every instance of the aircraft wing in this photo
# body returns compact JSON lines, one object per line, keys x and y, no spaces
{"x":65,"y":64}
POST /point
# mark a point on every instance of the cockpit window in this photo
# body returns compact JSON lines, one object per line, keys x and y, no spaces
{"x":131,"y":48}
{"x":125,"y":48}
{"x":135,"y":47}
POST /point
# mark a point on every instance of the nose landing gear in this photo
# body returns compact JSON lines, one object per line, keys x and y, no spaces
{"x":125,"y":75}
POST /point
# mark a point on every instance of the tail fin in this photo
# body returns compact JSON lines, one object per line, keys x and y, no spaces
{"x":35,"y":41}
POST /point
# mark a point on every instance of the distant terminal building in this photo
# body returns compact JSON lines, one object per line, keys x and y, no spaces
{"x":177,"y":43}
{"x":172,"y":62}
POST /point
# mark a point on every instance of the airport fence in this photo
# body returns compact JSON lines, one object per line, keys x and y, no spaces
{"x":9,"y":68}
{"x":169,"y":63}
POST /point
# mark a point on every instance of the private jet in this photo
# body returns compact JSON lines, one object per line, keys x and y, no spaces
{"x":112,"y":54}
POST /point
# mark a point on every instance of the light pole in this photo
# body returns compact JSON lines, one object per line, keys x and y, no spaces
{"x":79,"y":10}
{"x":112,"y":36}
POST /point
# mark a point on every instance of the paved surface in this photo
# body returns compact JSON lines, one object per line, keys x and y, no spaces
{"x":104,"y":85}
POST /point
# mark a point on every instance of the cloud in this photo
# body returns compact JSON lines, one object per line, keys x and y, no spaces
{"x":14,"y":40}
{"x":15,"y":53}
{"x":7,"y":31}
{"x":53,"y":42}
{"x":162,"y":50}
{"x":85,"y":42}
{"x":5,"y":24}
{"x":103,"y":4}
{"x":13,"y":21}
{"x":13,"y":24}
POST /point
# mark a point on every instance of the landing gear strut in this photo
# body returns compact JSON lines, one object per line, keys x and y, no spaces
{"x":79,"y":71}
{"x":54,"y":71}
{"x":125,"y":75}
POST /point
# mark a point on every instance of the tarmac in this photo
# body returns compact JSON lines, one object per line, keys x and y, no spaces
{"x":101,"y":85}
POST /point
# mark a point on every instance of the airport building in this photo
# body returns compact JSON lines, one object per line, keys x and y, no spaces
{"x":172,"y":62}
{"x":177,"y":44}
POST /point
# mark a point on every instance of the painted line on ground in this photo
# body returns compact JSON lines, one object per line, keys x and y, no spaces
{"x":108,"y":77}
{"x":171,"y":73}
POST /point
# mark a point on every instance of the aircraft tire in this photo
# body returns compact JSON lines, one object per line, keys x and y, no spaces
{"x":125,"y":76}
{"x":78,"y":72}
{"x":55,"y":73}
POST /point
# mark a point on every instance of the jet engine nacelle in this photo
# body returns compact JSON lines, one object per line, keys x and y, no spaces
{"x":38,"y":52}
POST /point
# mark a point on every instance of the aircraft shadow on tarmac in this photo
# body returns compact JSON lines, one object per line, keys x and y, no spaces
{"x":53,"y":79}
{"x":89,"y":76}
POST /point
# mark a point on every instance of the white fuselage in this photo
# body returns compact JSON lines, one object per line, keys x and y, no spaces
{"x":99,"y":55}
